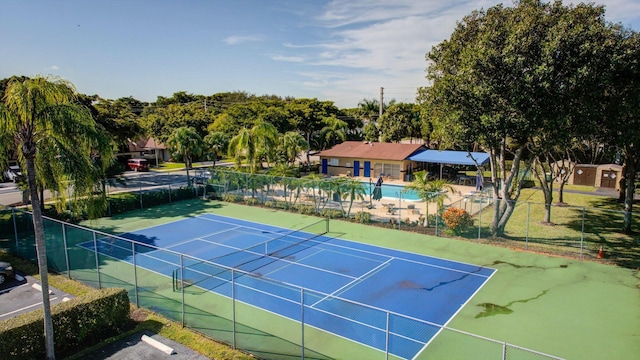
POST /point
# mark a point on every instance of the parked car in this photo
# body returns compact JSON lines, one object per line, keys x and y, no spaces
{"x":6,"y":272}
{"x":13,"y":173}
{"x":138,"y":164}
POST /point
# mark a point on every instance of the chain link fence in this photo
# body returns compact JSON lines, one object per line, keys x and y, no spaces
{"x":290,"y":322}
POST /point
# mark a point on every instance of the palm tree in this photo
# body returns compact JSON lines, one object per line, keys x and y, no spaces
{"x":334,"y":131}
{"x":215,"y":144}
{"x":313,"y":182}
{"x":282,"y":174}
{"x":292,"y":145}
{"x":53,"y":133}
{"x":185,"y":142}
{"x":429,"y":190}
{"x":266,"y":139}
{"x":352,"y":189}
{"x":369,"y":109}
{"x":241,"y":147}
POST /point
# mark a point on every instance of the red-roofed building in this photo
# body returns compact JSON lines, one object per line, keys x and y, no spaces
{"x":145,"y":148}
{"x":370,"y":159}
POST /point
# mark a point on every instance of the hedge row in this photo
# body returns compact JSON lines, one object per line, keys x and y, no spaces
{"x":76,"y":323}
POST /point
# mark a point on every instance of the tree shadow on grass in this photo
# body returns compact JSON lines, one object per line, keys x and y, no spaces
{"x":603,"y":227}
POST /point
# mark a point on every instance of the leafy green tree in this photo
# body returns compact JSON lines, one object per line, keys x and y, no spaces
{"x":55,"y":135}
{"x":540,"y":79}
{"x":163,"y":120}
{"x":371,"y":132}
{"x":120,"y":118}
{"x":401,"y":120}
{"x":619,"y":108}
{"x":185,"y":143}
{"x":307,"y":115}
{"x":429,"y":190}
{"x":215,"y":144}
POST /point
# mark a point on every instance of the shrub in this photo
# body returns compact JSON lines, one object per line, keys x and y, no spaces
{"x":235,"y":198}
{"x":457,"y":220}
{"x":77,"y":323}
{"x":253,"y":201}
{"x":363,"y":217}
{"x":306,"y":209}
{"x":331,"y":213}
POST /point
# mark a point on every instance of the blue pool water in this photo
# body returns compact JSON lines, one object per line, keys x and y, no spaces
{"x":394,"y":191}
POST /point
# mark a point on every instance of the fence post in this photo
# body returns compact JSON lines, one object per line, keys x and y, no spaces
{"x":526,"y":238}
{"x":182,"y":286}
{"x":135,"y":272}
{"x":386,"y":344}
{"x":233,"y":305}
{"x":302,"y":321}
{"x":66,"y":250}
{"x":140,"y":193}
{"x":480,"y":218}
{"x":15,"y":228}
{"x":95,"y":250}
{"x":582,"y":232}
{"x":169,"y":193}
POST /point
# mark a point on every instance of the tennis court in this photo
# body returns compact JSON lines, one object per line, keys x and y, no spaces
{"x":385,"y":299}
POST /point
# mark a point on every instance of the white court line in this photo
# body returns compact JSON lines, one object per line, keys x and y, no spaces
{"x":354,"y":282}
{"x":454,"y":315}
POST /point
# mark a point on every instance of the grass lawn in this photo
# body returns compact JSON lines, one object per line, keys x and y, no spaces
{"x":167,"y":166}
{"x":582,"y":226}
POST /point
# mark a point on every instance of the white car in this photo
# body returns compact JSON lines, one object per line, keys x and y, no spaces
{"x":202,"y":176}
{"x":13,"y":173}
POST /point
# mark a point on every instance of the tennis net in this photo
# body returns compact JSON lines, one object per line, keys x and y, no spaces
{"x":214,"y":272}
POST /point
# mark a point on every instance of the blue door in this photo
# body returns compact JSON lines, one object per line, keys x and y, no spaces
{"x":356,"y":168}
{"x":324,"y":166}
{"x":367,"y":169}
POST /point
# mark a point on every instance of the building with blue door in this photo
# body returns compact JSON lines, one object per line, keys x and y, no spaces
{"x":370,"y":160}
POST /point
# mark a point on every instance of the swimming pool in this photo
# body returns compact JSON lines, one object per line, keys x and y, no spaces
{"x":394,"y":191}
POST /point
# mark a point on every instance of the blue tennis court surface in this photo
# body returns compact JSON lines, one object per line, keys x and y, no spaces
{"x":353,"y":290}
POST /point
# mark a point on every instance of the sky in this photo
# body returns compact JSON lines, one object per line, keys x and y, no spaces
{"x":341,"y":50}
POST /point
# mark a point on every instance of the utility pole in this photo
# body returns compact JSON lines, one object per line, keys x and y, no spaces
{"x":381,"y":101}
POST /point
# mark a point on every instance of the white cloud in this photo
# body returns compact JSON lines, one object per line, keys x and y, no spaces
{"x":238,"y":39}
{"x":287,"y":58}
{"x":374,"y":43}
{"x":53,"y":67}
{"x":378,"y":43}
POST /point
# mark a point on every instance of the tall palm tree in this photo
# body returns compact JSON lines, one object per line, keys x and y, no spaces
{"x":352,"y":189}
{"x":254,"y":145}
{"x":266,"y":138}
{"x":215,"y":144}
{"x":429,"y":190}
{"x":53,"y":133}
{"x":243,"y":147}
{"x":186,"y":143}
